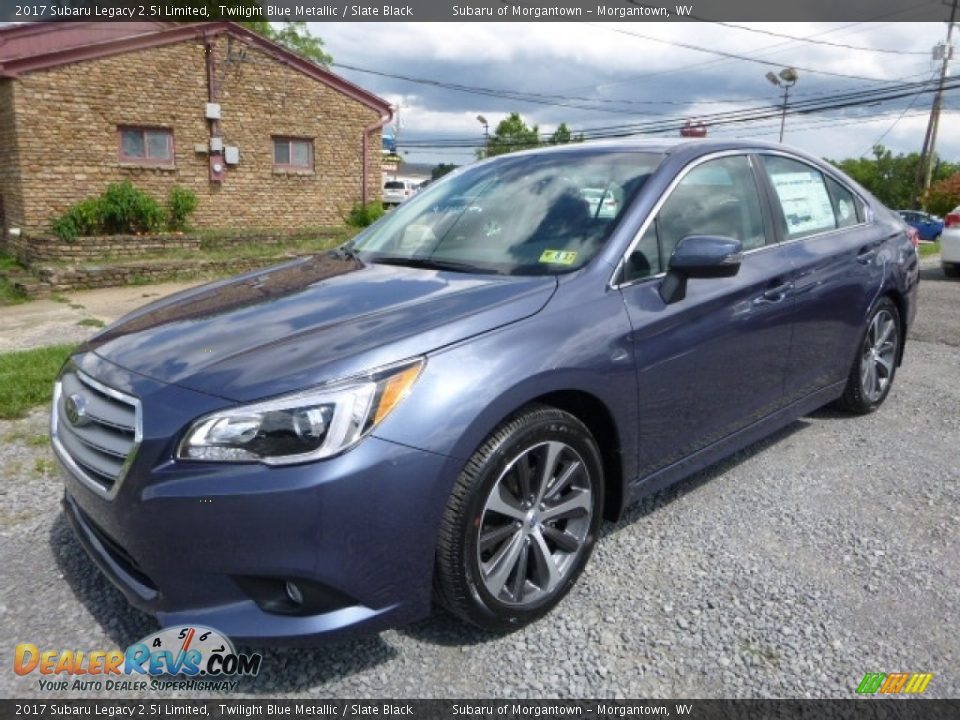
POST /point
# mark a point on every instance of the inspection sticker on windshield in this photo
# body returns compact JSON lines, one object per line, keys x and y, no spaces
{"x":559,"y":257}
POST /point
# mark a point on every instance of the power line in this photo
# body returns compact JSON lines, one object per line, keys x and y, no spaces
{"x":845,"y":46}
{"x":776,"y":47}
{"x":895,"y":122}
{"x":734,"y":117}
{"x":735,"y":56}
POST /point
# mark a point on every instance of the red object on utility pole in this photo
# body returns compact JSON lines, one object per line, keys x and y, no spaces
{"x":691,"y":129}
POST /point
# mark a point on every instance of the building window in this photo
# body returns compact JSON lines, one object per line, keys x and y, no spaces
{"x":146,"y":146}
{"x":292,"y":153}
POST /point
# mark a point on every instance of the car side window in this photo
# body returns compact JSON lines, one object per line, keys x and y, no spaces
{"x":844,"y":204}
{"x":719,"y":197}
{"x":645,"y":258}
{"x":802,"y":191}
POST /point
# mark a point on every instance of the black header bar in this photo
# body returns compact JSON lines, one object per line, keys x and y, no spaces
{"x":638,"y":11}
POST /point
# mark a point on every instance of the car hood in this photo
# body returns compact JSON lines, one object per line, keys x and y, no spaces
{"x":308,"y":321}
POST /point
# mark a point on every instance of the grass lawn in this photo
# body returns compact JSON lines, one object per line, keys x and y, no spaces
{"x":26,"y":378}
{"x":926,"y":248}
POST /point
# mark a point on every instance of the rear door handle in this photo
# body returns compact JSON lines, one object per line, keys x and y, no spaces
{"x":866,"y":255}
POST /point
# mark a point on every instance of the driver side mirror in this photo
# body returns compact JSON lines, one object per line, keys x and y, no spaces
{"x":700,"y":256}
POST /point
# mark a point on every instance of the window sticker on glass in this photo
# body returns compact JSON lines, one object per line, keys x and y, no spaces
{"x":805,"y":202}
{"x":558,"y":257}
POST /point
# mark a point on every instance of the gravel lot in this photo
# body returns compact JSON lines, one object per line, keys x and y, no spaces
{"x":789,"y":570}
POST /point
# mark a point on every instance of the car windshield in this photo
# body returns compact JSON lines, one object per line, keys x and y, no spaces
{"x":525,"y":214}
{"x":394,"y":185}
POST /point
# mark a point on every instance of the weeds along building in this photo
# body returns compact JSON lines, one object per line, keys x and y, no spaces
{"x":264,"y":137}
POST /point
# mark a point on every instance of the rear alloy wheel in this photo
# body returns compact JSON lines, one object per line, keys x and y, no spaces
{"x":521,"y":522}
{"x":876,"y":363}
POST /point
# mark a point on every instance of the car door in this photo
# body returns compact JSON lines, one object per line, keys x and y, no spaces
{"x":834,"y":250}
{"x":715,"y":361}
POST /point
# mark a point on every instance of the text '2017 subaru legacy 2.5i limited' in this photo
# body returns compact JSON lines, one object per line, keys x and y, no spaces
{"x":445,"y":408}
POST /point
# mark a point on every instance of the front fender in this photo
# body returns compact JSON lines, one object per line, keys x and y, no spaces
{"x":468,"y":389}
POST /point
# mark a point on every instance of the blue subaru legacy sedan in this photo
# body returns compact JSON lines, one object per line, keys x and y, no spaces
{"x":444,"y":409}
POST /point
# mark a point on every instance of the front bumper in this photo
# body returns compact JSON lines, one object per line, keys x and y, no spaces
{"x":186,"y":541}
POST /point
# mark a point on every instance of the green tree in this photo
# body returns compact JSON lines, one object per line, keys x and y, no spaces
{"x":294,"y":36}
{"x":511,"y":134}
{"x":563,"y":135}
{"x":892,"y":178}
{"x":442,"y":169}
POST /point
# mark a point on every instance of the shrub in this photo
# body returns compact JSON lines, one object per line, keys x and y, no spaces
{"x":122,"y":208}
{"x":362,"y":215}
{"x":81,"y":219}
{"x":127,"y":209}
{"x":180,"y":203}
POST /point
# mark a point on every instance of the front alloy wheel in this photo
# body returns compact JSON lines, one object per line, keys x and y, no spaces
{"x":521,"y":521}
{"x":534,"y":524}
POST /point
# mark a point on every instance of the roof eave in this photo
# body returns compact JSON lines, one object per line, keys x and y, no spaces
{"x":94,"y":51}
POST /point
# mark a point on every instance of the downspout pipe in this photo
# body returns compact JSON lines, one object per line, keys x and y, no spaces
{"x":367,"y":131}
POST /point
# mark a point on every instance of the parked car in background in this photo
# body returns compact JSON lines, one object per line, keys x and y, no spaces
{"x":445,"y":408}
{"x":397,"y":191}
{"x":603,"y":202}
{"x":950,"y":243}
{"x":928,"y":226}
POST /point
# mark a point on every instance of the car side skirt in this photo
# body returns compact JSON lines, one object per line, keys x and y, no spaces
{"x":644,"y":486}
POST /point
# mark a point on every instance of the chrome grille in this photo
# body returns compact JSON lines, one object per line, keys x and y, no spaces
{"x":95,"y":429}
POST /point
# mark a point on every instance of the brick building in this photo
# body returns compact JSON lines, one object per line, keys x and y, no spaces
{"x":265,"y":138}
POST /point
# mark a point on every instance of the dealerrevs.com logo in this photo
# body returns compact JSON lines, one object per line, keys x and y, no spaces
{"x":176,"y":658}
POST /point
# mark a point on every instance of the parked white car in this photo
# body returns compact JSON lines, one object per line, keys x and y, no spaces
{"x":396,"y":191}
{"x":603,"y":202}
{"x":950,"y":243}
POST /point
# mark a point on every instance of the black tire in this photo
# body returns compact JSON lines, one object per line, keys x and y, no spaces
{"x":858,"y":397}
{"x":528,"y":440}
{"x":951,"y":270}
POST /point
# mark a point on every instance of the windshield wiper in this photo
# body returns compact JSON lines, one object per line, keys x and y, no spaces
{"x":432,"y":264}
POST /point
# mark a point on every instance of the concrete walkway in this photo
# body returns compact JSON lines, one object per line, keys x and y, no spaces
{"x":47,"y":322}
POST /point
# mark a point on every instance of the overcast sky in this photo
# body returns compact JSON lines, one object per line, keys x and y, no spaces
{"x":638,"y":80}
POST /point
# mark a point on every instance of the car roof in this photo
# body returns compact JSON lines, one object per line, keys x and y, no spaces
{"x":665,"y":145}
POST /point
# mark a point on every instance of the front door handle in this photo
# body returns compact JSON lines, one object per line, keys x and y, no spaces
{"x":774,"y":294}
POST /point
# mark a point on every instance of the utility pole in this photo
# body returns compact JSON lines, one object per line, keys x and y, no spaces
{"x":786,"y":79}
{"x":925,"y":170}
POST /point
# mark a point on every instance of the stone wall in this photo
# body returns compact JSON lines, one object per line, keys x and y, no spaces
{"x":67,"y":118}
{"x":30,"y":250}
{"x":88,"y":277}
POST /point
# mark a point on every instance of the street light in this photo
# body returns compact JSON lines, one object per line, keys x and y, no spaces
{"x":486,"y":126}
{"x":486,"y":134}
{"x":786,"y":79}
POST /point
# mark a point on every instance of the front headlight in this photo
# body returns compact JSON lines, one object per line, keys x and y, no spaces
{"x":305,"y":426}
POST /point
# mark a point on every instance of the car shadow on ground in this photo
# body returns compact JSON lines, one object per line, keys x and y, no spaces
{"x":282,"y":669}
{"x":300,"y":669}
